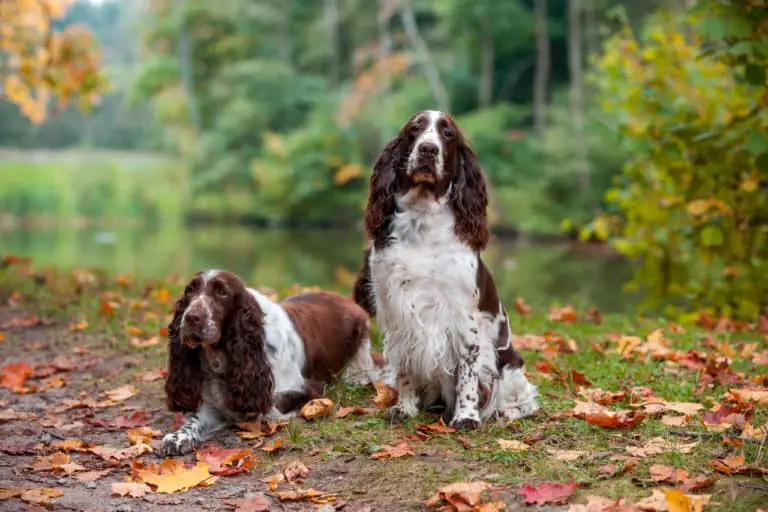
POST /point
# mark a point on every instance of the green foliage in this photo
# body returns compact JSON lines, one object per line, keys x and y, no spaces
{"x":691,"y":197}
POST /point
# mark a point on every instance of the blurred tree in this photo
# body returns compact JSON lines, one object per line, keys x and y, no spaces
{"x":38,"y":62}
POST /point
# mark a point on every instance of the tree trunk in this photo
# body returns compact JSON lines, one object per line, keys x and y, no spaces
{"x":576,"y":63}
{"x":332,"y":24}
{"x":485,"y":95}
{"x":427,"y":62}
{"x":541,"y":79}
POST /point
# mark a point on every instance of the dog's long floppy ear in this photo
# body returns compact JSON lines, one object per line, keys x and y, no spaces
{"x":364,"y":288}
{"x":469,"y":199}
{"x":183,"y":387}
{"x":248,"y":375}
{"x":383,"y":185}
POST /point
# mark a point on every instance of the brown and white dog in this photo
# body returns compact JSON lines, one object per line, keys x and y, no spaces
{"x":234,"y":354}
{"x":447,"y":336}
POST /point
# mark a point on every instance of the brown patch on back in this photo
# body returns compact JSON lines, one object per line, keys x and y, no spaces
{"x":333,"y":328}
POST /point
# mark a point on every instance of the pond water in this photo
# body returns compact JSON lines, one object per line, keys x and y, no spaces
{"x":278,"y":259}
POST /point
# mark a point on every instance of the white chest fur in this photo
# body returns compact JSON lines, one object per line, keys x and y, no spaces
{"x":425,"y":287}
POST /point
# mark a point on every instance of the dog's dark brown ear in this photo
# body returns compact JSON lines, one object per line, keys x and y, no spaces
{"x":248,"y":376}
{"x":469,"y":199}
{"x":381,"y":197}
{"x":183,"y":387}
{"x":363,"y":287}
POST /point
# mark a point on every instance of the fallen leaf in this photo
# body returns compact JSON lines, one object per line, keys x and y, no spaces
{"x":13,"y":376}
{"x":153,"y":375}
{"x":401,"y":449}
{"x":668,"y":474}
{"x":512,"y":446}
{"x":754,"y":433}
{"x":70,"y":445}
{"x":565,"y":314}
{"x":724,"y":417}
{"x":602,"y":397}
{"x":736,"y":466}
{"x":259,"y":429}
{"x":140,"y":343}
{"x":343,"y":412}
{"x":601,"y":504}
{"x":674,"y":421}
{"x":134,"y":331}
{"x":227,"y":461}
{"x":698,"y":483}
{"x":11,"y":492}
{"x":171,"y":475}
{"x":317,"y":408}
{"x":678,"y":501}
{"x":257,"y":503}
{"x":566,"y":455}
{"x":748,"y":395}
{"x":11,"y":415}
{"x":438,"y":427}
{"x":114,"y":455}
{"x":548,"y":492}
{"x":596,"y":414}
{"x":595,"y":315}
{"x":122,"y":393}
{"x":659,"y":445}
{"x":142,"y":435}
{"x":137,"y":419}
{"x":760,"y":358}
{"x":274,"y":445}
{"x":386,"y":396}
{"x":522,"y":308}
{"x":312,"y":495}
{"x":462,"y":496}
{"x":58,"y":462}
{"x":40,"y":496}
{"x":2,"y":336}
{"x":295,"y":471}
{"x":132,"y":489}
{"x":92,"y":476}
{"x":78,"y":326}
{"x":611,"y":470}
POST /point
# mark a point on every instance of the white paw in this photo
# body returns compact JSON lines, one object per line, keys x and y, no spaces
{"x":406,"y":409}
{"x":176,"y":443}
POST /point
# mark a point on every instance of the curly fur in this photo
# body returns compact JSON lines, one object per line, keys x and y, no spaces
{"x":248,"y":369}
{"x":383,"y":186}
{"x":183,"y":386}
{"x":469,"y":200}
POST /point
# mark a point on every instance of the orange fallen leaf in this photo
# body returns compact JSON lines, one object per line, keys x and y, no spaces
{"x":602,"y":397}
{"x":153,"y":375}
{"x":132,"y":489}
{"x":317,"y":408}
{"x":601,"y":504}
{"x":674,"y":421}
{"x":134,"y":331}
{"x":92,"y":476}
{"x":58,"y":462}
{"x":512,"y":446}
{"x":754,"y":433}
{"x":295,"y":471}
{"x":748,"y":395}
{"x":13,"y":376}
{"x":438,"y":427}
{"x":522,"y":308}
{"x":258,"y":503}
{"x":274,"y":445}
{"x":386,"y":451}
{"x":678,"y":501}
{"x":227,"y":461}
{"x":259,"y":429}
{"x":114,"y":455}
{"x":668,"y":474}
{"x":386,"y":396}
{"x":78,"y":326}
{"x":343,"y":412}
{"x":70,"y":445}
{"x":172,"y":475}
{"x":2,"y":336}
{"x":11,"y":415}
{"x":461,"y":496}
{"x":598,"y":415}
{"x":40,"y":496}
{"x":565,"y":314}
{"x":312,"y":495}
{"x":122,"y":393}
{"x":142,"y":435}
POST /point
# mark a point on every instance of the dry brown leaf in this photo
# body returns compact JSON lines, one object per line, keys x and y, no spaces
{"x":312,"y":495}
{"x":438,"y":427}
{"x":754,"y":433}
{"x":40,"y":496}
{"x":153,"y":375}
{"x":258,"y":503}
{"x":132,"y":489}
{"x":386,"y":451}
{"x":343,"y":412}
{"x":748,"y":395}
{"x":140,"y":343}
{"x":122,"y":393}
{"x":70,"y":445}
{"x":463,"y":496}
{"x":227,"y":461}
{"x":114,"y":455}
{"x":668,"y":474}
{"x":658,"y":445}
{"x":259,"y":429}
{"x":566,"y":455}
{"x":596,"y":414}
{"x":601,"y":504}
{"x":736,"y":466}
{"x":11,"y":415}
{"x":386,"y":396}
{"x":274,"y":445}
{"x":171,"y":475}
{"x":674,"y":421}
{"x":317,"y":408}
{"x":58,"y":462}
{"x":602,"y":397}
{"x":512,"y":446}
{"x":92,"y":476}
{"x":142,"y":435}
{"x":295,"y":471}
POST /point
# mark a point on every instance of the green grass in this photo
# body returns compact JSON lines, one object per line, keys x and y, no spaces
{"x":446,"y":457}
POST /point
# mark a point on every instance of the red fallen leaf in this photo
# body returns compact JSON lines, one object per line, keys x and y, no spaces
{"x":548,"y":492}
{"x":726,"y":414}
{"x":258,"y":503}
{"x":578,"y":378}
{"x":546,"y":366}
{"x":438,"y":427}
{"x":227,"y":461}
{"x":163,"y":331}
{"x":460,"y":496}
{"x":343,"y":412}
{"x":595,"y":315}
{"x":137,"y":419}
{"x":596,"y":414}
{"x":401,"y":449}
{"x":13,"y":376}
{"x":522,"y":308}
{"x":699,"y":483}
{"x":565,"y":314}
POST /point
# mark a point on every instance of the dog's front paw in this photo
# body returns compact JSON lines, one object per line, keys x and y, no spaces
{"x":175,"y":444}
{"x":466,"y":423}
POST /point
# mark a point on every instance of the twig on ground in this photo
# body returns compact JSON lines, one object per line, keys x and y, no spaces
{"x":707,"y":435}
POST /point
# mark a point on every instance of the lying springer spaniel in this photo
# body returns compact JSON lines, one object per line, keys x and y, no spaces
{"x":235,"y":354}
{"x":447,"y":336}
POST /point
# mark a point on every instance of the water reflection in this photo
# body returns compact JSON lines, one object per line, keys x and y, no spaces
{"x":278,"y":259}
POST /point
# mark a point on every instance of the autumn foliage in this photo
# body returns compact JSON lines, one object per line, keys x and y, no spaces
{"x":41,"y":62}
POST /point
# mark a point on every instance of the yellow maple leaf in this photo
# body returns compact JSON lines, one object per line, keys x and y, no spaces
{"x":172,"y":476}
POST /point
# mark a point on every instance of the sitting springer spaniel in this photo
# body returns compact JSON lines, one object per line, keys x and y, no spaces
{"x":234,"y":354}
{"x":447,"y":336}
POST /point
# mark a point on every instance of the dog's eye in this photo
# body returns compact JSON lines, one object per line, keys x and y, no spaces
{"x":415,"y":127}
{"x":447,"y":133}
{"x":221,"y":291}
{"x":191,"y":287}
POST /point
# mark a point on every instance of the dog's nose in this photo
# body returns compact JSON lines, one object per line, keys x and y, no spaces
{"x":192,"y":319}
{"x":428,"y":149}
